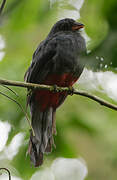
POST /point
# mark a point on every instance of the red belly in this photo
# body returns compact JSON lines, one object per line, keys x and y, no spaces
{"x":52,"y":99}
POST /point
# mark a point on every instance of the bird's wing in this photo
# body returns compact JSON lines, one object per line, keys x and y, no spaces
{"x":56,"y":53}
{"x":42,"y":56}
{"x":26,"y":75}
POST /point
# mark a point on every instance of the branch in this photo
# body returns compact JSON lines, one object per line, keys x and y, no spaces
{"x":27,"y":118}
{"x":7,"y":171}
{"x":58,"y":89}
{"x":10,"y":90}
{"x":2,"y":6}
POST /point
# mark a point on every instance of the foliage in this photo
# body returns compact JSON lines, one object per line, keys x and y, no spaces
{"x":84,"y":127}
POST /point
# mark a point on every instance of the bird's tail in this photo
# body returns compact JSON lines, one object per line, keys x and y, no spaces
{"x":43,"y":126}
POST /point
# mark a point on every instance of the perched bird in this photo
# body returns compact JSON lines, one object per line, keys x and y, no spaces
{"x":56,"y":61}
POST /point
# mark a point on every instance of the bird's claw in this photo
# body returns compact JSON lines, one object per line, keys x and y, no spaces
{"x":29,"y":92}
{"x":55,"y":88}
{"x":71,"y":90}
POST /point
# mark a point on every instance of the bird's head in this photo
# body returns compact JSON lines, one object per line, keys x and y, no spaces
{"x":66,"y":25}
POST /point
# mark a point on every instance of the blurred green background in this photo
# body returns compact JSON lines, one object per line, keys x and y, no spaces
{"x":84,"y":128}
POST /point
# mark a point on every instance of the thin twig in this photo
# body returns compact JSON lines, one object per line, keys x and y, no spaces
{"x":10,"y":90}
{"x":97,"y":99}
{"x":27,"y":118}
{"x":2,"y":6}
{"x":7,"y":172}
{"x":58,"y":89}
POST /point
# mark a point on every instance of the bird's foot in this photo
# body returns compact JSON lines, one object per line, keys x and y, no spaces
{"x":71,"y":90}
{"x":29,"y":92}
{"x":55,"y":90}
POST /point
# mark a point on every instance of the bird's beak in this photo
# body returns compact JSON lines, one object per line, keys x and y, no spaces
{"x":77,"y":26}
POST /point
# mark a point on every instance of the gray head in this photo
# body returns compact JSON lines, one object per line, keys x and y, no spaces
{"x":66,"y":25}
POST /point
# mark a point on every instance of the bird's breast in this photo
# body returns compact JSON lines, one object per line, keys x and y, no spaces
{"x":52,"y":99}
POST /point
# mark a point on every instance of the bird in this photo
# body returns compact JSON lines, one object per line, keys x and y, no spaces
{"x":57,"y":61}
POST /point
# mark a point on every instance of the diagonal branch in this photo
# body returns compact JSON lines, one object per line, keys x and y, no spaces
{"x":2,"y":6}
{"x":58,"y":89}
{"x":97,"y":99}
{"x":10,"y":90}
{"x":27,"y":118}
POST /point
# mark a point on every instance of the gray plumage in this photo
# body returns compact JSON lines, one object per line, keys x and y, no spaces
{"x":56,"y":61}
